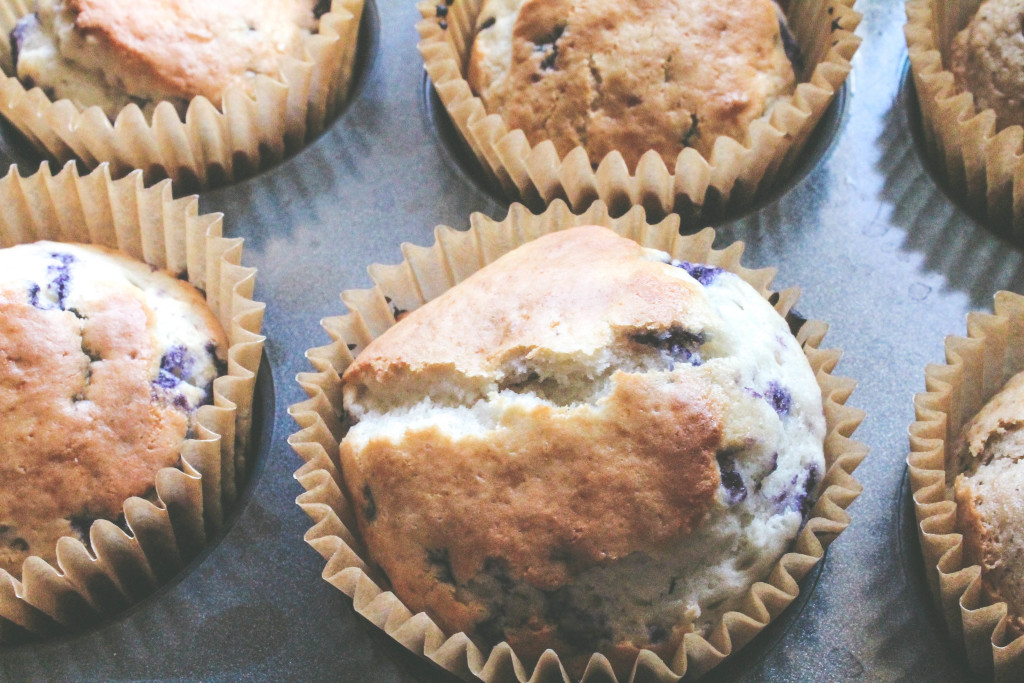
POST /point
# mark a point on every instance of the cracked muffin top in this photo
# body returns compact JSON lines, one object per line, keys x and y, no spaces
{"x":987,"y":59}
{"x":636,"y":76}
{"x":112,"y":52}
{"x":989,"y":474}
{"x":585,"y":446}
{"x":103,"y":363}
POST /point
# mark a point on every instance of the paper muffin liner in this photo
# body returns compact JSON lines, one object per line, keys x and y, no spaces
{"x":212,"y":145}
{"x":976,"y":368}
{"x":980,"y":163}
{"x":696,"y":187}
{"x":427,"y":272}
{"x":191,"y":501}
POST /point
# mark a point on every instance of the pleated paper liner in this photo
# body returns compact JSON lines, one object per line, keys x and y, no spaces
{"x":427,"y":272}
{"x":976,"y":368}
{"x":699,"y":189}
{"x":212,"y":145}
{"x":148,"y":224}
{"x":981,"y":164}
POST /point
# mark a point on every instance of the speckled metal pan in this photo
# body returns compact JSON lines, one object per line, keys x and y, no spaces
{"x":866,"y":232}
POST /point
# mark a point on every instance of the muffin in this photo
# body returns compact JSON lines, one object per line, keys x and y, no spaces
{"x":555,"y":103}
{"x":610,"y":76}
{"x":203,"y":93}
{"x":577,"y":447}
{"x":110,"y":54}
{"x":104,"y":364}
{"x":584,"y":446}
{"x":987,"y":60}
{"x":964,"y":447}
{"x":987,"y":494}
{"x":965,"y":58}
{"x":129,"y":346}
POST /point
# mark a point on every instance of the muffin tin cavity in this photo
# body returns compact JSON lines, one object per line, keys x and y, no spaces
{"x":934,"y":167}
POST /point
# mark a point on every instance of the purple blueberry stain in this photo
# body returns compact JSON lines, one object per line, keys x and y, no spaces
{"x":701,"y":272}
{"x":33,"y":296}
{"x":176,"y":367}
{"x":800,"y":496}
{"x":680,"y":345}
{"x":732,"y":482}
{"x":25,"y":26}
{"x":166,"y":380}
{"x":176,"y":362}
{"x":60,"y":276}
{"x":778,"y":398}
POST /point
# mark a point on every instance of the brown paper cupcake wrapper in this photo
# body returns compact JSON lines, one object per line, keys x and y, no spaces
{"x":148,"y":224}
{"x":976,"y":368}
{"x":211,"y":146}
{"x":728,"y":180}
{"x":425,"y":274}
{"x":980,"y":163}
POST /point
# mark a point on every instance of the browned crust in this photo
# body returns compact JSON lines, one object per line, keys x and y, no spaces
{"x":183,"y":48}
{"x":550,"y":491}
{"x":566,"y":291}
{"x":80,"y":438}
{"x":629,"y":77}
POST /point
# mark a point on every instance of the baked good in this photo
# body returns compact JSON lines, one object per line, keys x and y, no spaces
{"x":989,"y":475}
{"x":583,"y":446}
{"x":103,"y":363}
{"x":110,"y":53}
{"x":987,"y":59}
{"x":661,"y":74}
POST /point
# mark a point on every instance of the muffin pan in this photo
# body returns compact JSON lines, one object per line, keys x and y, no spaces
{"x":877,"y":247}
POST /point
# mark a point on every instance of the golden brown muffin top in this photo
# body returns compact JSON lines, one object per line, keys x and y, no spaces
{"x":552,"y":487}
{"x":987,"y":59}
{"x":652,"y":74}
{"x":184,"y":48}
{"x":987,"y":490}
{"x":85,"y":416}
{"x":569,"y":292}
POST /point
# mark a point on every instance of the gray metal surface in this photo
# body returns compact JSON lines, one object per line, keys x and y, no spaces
{"x":877,"y":248}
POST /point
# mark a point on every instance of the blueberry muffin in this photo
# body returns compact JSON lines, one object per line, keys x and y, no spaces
{"x":103,"y":364}
{"x":987,"y":59}
{"x":584,"y":446}
{"x":661,"y":75}
{"x":988,"y":480}
{"x":110,"y":53}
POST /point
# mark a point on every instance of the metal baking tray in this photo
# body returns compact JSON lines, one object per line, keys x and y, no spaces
{"x":863,"y":228}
